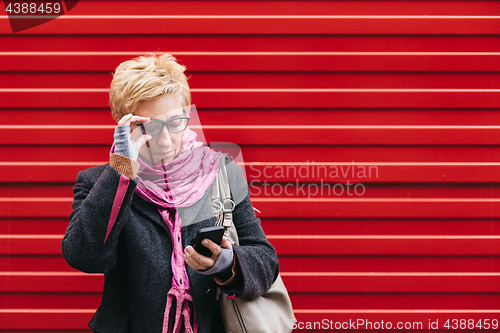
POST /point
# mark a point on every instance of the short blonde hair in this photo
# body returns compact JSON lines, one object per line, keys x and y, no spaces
{"x":144,"y":78}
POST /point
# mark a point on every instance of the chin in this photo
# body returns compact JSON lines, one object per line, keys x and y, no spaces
{"x":157,"y":160}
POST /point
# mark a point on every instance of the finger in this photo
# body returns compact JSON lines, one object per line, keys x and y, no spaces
{"x":136,"y":132}
{"x":142,"y":140}
{"x":190,"y":261}
{"x":139,"y":119}
{"x":225,"y":243}
{"x":136,"y":129}
{"x":201,"y":260}
{"x":195,"y":264}
{"x":214,"y":248}
{"x":129,"y":119}
{"x":136,"y":120}
{"x":123,"y":121}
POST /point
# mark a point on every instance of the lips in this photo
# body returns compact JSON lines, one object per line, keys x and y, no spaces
{"x":163,"y":155}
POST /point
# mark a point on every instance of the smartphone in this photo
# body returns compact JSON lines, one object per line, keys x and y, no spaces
{"x":213,"y":233}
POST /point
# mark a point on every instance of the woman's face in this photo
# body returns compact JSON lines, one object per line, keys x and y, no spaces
{"x":164,"y":146}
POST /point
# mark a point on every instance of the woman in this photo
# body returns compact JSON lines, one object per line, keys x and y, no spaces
{"x":134,"y":217}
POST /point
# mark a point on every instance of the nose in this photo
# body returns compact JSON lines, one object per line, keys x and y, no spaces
{"x":164,"y":138}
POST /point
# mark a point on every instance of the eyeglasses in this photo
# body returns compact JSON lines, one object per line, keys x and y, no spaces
{"x":174,"y":125}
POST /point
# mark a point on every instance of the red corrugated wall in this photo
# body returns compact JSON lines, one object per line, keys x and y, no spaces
{"x":404,"y":89}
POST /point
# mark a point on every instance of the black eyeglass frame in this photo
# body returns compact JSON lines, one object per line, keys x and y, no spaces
{"x":165,"y":124}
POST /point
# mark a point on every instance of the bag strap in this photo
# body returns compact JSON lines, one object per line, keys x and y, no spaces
{"x":222,"y":203}
{"x":216,"y":202}
{"x":227,"y":203}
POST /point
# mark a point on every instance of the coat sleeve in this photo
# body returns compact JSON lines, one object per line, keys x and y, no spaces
{"x":100,"y":208}
{"x":256,"y":258}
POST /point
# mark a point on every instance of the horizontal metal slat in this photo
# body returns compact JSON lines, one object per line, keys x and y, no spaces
{"x":58,"y":135}
{"x":35,"y":207}
{"x":411,"y":282}
{"x":296,"y":282}
{"x":366,"y":264}
{"x":270,"y":98}
{"x":261,"y":61}
{"x":293,"y":154}
{"x":369,"y":226}
{"x":292,"y":207}
{"x":88,"y":300}
{"x":52,"y":319}
{"x":309,"y":245}
{"x":143,"y":7}
{"x":282,"y":154}
{"x":309,"y":226}
{"x":30,"y":244}
{"x":385,"y":245}
{"x":43,"y":171}
{"x":282,"y":116}
{"x":250,"y":43}
{"x":370,"y":172}
{"x":377,"y":172}
{"x":304,"y":226}
{"x":237,"y":116}
{"x":300,"y":300}
{"x":47,"y":331}
{"x":329,"y":187}
{"x":268,"y":135}
{"x":371,"y":319}
{"x":417,"y":319}
{"x":263,"y":25}
{"x":33,"y":226}
{"x":376,"y":207}
{"x":35,"y":263}
{"x":310,"y":263}
{"x":59,"y":282}
{"x":271,"y":80}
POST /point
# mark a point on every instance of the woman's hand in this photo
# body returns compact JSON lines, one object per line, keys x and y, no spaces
{"x":127,"y":143}
{"x":199,"y":262}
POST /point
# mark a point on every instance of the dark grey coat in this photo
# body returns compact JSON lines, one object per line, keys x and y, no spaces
{"x":135,"y":258}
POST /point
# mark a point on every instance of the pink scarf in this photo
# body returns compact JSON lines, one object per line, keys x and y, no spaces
{"x":179,"y":183}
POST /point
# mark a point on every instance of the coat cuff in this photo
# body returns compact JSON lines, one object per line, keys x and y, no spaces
{"x":230,"y":279}
{"x":224,"y":263}
{"x":124,"y":165}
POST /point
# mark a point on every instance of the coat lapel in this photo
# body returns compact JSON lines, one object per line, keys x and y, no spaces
{"x":149,"y":210}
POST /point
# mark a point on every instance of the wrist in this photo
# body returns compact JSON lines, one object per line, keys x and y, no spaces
{"x":124,"y":145}
{"x":223,"y":264}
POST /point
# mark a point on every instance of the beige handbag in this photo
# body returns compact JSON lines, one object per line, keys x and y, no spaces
{"x":269,"y":313}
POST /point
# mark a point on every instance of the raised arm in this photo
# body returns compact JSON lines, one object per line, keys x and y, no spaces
{"x":100,"y":208}
{"x":102,"y":197}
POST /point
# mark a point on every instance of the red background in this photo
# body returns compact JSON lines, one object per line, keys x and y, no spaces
{"x":407,"y":86}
